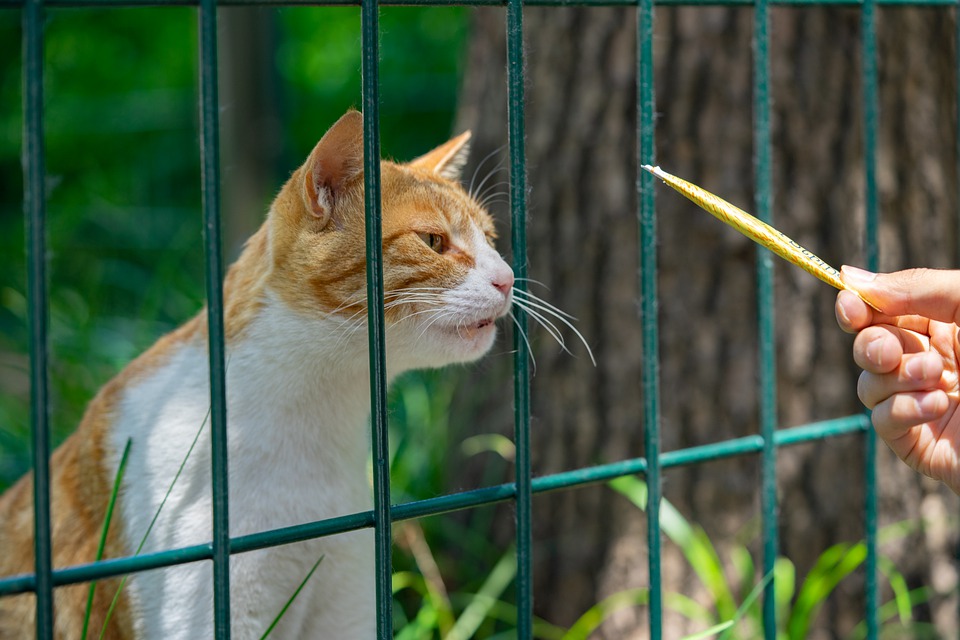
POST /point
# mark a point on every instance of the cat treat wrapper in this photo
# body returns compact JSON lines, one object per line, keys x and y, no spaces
{"x":757,"y":230}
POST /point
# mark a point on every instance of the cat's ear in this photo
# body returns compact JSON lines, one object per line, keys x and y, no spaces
{"x":335,"y":161}
{"x":448,"y":159}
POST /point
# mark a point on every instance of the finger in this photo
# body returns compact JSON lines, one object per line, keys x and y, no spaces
{"x":917,"y":372}
{"x":932,"y":293}
{"x":852,"y":312}
{"x":898,"y":413}
{"x":878,"y":349}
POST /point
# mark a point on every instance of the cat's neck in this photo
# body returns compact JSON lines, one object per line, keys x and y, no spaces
{"x":307,"y":375}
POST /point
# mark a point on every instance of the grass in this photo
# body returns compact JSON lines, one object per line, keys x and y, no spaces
{"x":103,"y":535}
{"x":798,"y":603}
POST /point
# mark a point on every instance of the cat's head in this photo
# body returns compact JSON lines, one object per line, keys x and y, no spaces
{"x":444,"y":282}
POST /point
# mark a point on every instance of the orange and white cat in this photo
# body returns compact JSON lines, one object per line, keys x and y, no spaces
{"x":298,"y":403}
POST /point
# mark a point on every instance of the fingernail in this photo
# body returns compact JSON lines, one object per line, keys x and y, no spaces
{"x":930,"y":405}
{"x":915,"y":368}
{"x":842,"y":313}
{"x":856,"y":275}
{"x":874,"y":351}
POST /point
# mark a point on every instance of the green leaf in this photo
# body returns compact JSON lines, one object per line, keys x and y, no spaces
{"x":901,"y":592}
{"x":103,"y":534}
{"x":292,"y":598}
{"x":747,"y":603}
{"x":743,"y":566}
{"x":712,"y":631}
{"x":833,"y":565}
{"x":493,"y":442}
{"x":692,"y":540}
{"x":889,"y":611}
{"x":785,"y":585}
{"x":595,"y":615}
{"x":409,"y":580}
{"x":474,"y":614}
{"x":689,"y":608}
{"x":507,"y":613}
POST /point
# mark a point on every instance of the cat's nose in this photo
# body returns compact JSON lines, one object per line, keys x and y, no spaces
{"x":503,"y":281}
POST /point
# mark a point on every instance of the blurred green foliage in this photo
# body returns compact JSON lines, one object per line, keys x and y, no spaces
{"x":123,"y":189}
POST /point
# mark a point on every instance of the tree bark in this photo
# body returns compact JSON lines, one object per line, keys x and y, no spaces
{"x":581,"y":150}
{"x":250,"y":120}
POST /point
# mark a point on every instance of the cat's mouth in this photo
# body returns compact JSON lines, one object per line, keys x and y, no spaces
{"x":472,"y":330}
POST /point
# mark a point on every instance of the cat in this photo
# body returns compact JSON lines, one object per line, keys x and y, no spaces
{"x":298,"y":405}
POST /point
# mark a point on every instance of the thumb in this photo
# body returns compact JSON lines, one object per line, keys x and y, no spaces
{"x":932,"y":293}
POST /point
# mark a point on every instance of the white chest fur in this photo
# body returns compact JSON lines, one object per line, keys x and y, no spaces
{"x":298,"y":441}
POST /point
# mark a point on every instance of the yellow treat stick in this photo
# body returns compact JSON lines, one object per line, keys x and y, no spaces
{"x":757,"y":230}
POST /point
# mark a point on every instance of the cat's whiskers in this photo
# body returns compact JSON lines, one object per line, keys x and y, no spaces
{"x":545,"y":323}
{"x":350,"y":327}
{"x":496,"y":198}
{"x":433,"y":310}
{"x":495,"y":171}
{"x":429,"y":304}
{"x":357,"y":321}
{"x":493,"y":191}
{"x":480,"y":164}
{"x":419,"y":296}
{"x":432,"y":298}
{"x":537,"y":308}
{"x":439,"y":314}
{"x":542,"y":304}
{"x":357,"y":299}
{"x":526,"y":341}
{"x":532,"y":281}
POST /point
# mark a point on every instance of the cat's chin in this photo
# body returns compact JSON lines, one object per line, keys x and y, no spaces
{"x":464,"y":343}
{"x":473,"y":332}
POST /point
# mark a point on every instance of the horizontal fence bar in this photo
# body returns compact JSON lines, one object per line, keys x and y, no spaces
{"x":15,"y":4}
{"x":441,"y":505}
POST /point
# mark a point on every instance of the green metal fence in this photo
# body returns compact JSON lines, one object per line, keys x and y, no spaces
{"x":521,"y":491}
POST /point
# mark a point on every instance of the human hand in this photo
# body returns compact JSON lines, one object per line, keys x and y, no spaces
{"x":910,"y":356}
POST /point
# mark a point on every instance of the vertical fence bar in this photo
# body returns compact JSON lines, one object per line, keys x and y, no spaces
{"x":646,"y":114}
{"x":383,"y":530}
{"x":521,"y":372}
{"x":210,"y":176}
{"x":34,"y":201}
{"x":870,"y":117}
{"x":765,"y":310}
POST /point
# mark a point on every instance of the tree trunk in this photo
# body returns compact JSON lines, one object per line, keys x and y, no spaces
{"x":250,"y":120}
{"x":581,"y":150}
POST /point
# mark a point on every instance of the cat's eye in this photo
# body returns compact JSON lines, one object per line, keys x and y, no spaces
{"x":432,"y":240}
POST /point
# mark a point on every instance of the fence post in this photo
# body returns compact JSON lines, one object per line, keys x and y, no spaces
{"x":650,"y":373}
{"x":870,"y":116}
{"x":765,"y":312}
{"x":383,"y":529}
{"x":521,"y":372}
{"x":34,"y":172}
{"x":210,"y":176}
